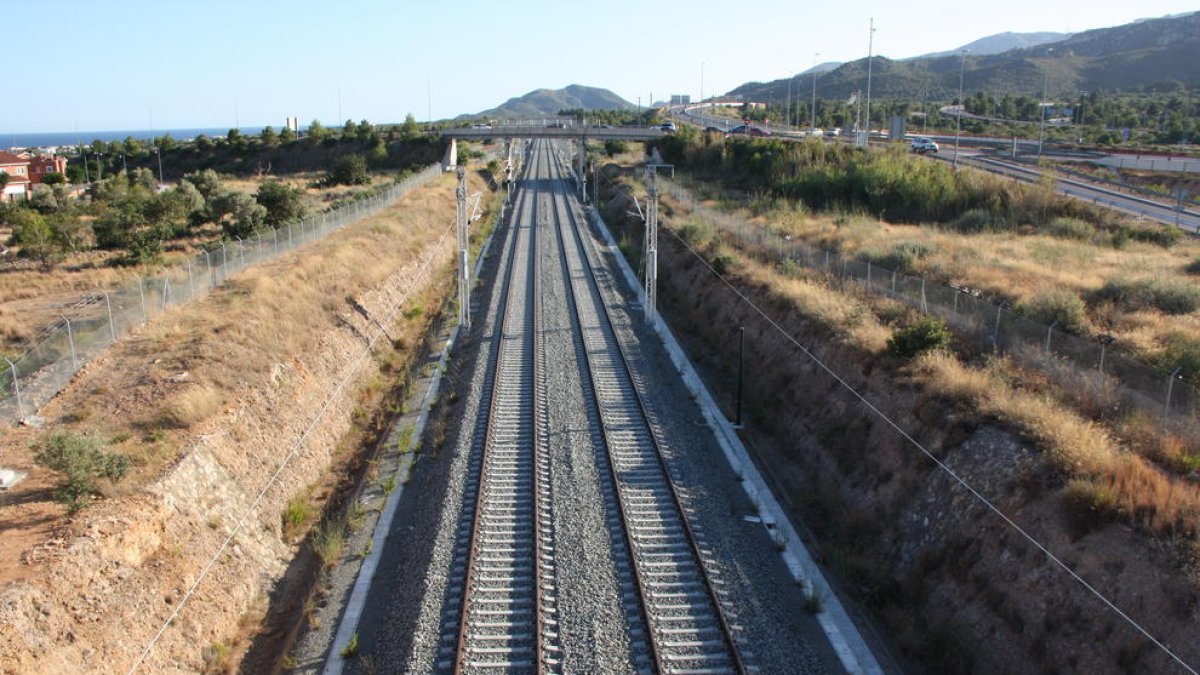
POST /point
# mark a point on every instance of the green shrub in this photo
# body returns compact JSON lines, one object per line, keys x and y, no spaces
{"x":1170,"y":296}
{"x":82,"y":461}
{"x":1193,"y":267}
{"x":1181,"y":351}
{"x":722,"y":263}
{"x":903,"y":257}
{"x":1072,"y":228}
{"x":925,"y":335}
{"x":330,"y":540}
{"x":1165,"y":236}
{"x":978,"y":220}
{"x":1057,"y":305}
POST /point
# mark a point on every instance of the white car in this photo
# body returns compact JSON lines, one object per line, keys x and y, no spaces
{"x":922,"y":145}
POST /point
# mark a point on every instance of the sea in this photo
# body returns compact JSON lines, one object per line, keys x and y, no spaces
{"x":54,"y":139}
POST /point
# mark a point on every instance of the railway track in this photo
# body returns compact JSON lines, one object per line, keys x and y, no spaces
{"x":500,"y":616}
{"x":501,"y":613}
{"x":689,"y":628}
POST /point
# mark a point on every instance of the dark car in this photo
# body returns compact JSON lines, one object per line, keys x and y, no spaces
{"x":713,"y":130}
{"x":747,"y":130}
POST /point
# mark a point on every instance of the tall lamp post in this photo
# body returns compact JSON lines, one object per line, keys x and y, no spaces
{"x":962,"y":106}
{"x":1045,"y":87}
{"x":158,"y":152}
{"x":870,"y":51}
{"x":1082,"y":103}
{"x":812,"y":120}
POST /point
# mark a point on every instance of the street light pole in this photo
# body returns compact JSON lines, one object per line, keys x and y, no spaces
{"x":812,"y":120}
{"x":962,"y":106}
{"x":1045,"y":88}
{"x":1082,"y":109}
{"x":870,"y":51}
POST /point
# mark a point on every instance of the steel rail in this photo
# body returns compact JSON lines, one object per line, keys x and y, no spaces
{"x":473,"y":573}
{"x":726,"y":628}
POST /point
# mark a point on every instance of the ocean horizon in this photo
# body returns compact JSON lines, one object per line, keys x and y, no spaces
{"x":50,"y":139}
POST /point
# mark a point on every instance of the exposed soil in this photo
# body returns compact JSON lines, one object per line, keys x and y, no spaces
{"x":90,"y":591}
{"x":957,"y":588}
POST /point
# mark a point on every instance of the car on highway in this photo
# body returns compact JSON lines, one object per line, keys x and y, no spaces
{"x":747,"y":130}
{"x":668,"y":127}
{"x":922,"y":145}
{"x":833,"y":133}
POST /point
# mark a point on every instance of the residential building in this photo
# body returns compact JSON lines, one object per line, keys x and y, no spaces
{"x":25,"y":170}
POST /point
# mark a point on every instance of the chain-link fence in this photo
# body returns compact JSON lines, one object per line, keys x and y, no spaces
{"x":100,"y":319}
{"x":1097,"y":370}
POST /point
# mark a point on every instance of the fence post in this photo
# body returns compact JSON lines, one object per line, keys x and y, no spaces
{"x":1049,"y":332}
{"x":191,"y":282}
{"x":71,"y":341}
{"x":16,"y":389}
{"x":1170,"y":386}
{"x":112,"y":328}
{"x":868,"y":275}
{"x":275,"y":231}
{"x":167,"y":295}
{"x":224,"y":261}
{"x":956,"y":301}
{"x":893,"y":281}
{"x":142,"y":295}
{"x":924,"y":302}
{"x":291,"y":244}
{"x":1105,"y":341}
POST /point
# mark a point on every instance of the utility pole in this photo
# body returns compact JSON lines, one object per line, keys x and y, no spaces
{"x":870,"y":52}
{"x":962,"y":106}
{"x":651,"y":244}
{"x":812,"y":120}
{"x":1045,"y":88}
{"x":464,"y":271}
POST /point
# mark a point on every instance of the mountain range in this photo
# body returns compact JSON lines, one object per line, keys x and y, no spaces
{"x":1133,"y":56}
{"x":1138,"y":55}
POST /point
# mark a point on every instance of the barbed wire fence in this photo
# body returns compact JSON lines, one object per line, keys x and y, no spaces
{"x":100,"y":319}
{"x":1093,"y":365}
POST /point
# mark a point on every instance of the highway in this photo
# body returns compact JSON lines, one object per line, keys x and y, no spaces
{"x":1137,"y":207}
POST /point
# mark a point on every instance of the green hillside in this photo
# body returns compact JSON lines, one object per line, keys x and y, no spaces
{"x":542,"y":102}
{"x":1155,"y":53}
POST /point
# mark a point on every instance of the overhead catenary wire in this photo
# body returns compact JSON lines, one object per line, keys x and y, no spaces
{"x":939,"y":463}
{"x":296,"y":447}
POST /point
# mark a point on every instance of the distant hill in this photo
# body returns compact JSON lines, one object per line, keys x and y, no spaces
{"x":541,"y":102}
{"x":823,"y":67}
{"x":1000,"y":43}
{"x":1129,"y":57}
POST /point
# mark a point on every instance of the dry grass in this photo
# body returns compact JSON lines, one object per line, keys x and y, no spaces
{"x":243,"y":333}
{"x":1009,"y":265}
{"x":196,"y":404}
{"x":1113,"y":461}
{"x":1142,"y":492}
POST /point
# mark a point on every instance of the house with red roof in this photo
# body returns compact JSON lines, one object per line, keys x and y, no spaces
{"x":25,"y":170}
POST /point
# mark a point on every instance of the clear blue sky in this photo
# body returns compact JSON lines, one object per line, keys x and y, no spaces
{"x":132,"y":64}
